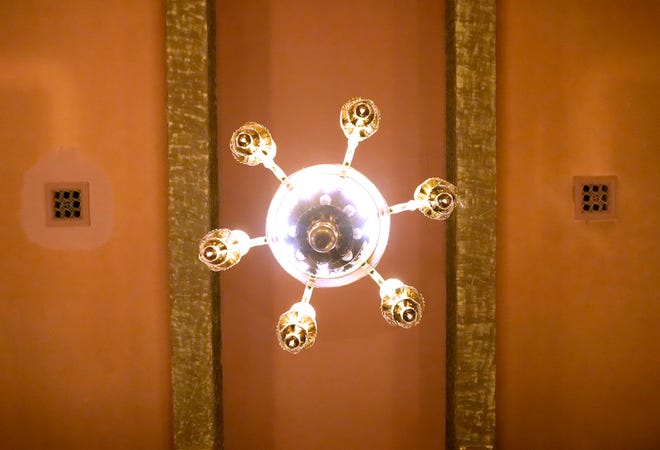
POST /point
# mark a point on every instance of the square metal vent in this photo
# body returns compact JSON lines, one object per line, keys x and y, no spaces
{"x":595,"y":197}
{"x":67,"y":204}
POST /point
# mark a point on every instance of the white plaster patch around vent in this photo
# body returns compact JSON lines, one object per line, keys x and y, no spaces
{"x":60,"y":167}
{"x":67,"y":204}
{"x":595,"y":197}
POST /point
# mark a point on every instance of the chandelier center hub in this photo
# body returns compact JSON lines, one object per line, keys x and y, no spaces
{"x":325,"y":221}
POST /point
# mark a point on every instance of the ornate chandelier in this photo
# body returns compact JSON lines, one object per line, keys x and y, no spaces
{"x":327,"y":226}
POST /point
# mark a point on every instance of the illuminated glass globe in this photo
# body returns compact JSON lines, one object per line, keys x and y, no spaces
{"x":325,"y":222}
{"x":327,"y":226}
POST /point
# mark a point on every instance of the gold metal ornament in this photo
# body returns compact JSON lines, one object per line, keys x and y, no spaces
{"x":359,"y":118}
{"x":437,"y":198}
{"x":296,"y":328}
{"x":222,"y":249}
{"x":401,"y":305}
{"x":252,"y":143}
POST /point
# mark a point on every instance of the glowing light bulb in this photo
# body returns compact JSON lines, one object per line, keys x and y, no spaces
{"x":349,"y":210}
{"x":325,"y":199}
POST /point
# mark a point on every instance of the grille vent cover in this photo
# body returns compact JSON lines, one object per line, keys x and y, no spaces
{"x":67,"y":204}
{"x":595,"y":197}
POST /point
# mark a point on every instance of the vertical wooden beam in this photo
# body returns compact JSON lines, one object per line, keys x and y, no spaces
{"x":193,"y":187}
{"x":471,"y":158}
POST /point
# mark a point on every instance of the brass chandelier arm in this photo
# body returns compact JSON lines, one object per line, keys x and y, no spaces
{"x":256,"y":242}
{"x":252,"y":144}
{"x":277,"y":171}
{"x":410,"y":205}
{"x":309,"y":288}
{"x":359,"y":119}
{"x":351,"y":146}
{"x":435,"y":198}
{"x":373,"y":273}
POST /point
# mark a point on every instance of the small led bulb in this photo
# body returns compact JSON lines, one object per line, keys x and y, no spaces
{"x":252,"y":143}
{"x":359,"y":118}
{"x":438,"y":198}
{"x":222,"y":249}
{"x":296,"y":328}
{"x":401,"y":305}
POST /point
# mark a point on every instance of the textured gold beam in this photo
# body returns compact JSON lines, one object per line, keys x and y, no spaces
{"x":194,"y":298}
{"x":470,"y":34}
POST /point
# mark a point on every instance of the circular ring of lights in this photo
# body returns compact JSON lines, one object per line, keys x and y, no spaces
{"x":325,"y":222}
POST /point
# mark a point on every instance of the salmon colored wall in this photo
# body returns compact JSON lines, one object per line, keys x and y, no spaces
{"x":84,"y":316}
{"x":578,"y":304}
{"x":291,"y":65}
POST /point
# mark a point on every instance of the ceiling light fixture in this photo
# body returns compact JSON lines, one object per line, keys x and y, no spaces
{"x":327,"y":226}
